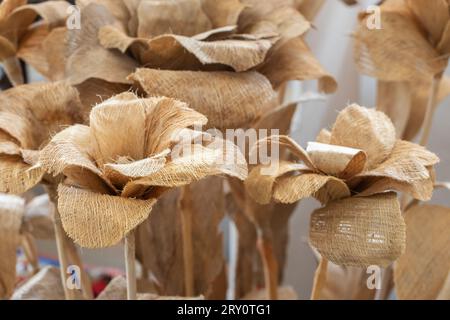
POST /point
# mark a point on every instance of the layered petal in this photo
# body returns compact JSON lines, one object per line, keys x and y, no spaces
{"x":97,"y":220}
{"x":359,"y":231}
{"x":17,"y":176}
{"x":228,"y":100}
{"x":193,"y":162}
{"x":400,"y":51}
{"x":293,"y":60}
{"x":365,"y":129}
{"x":72,"y":152}
{"x":291,"y":189}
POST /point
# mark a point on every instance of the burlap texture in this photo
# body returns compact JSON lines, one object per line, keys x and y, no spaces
{"x":11,"y":213}
{"x":44,"y":285}
{"x":421,"y":272}
{"x":359,"y":231}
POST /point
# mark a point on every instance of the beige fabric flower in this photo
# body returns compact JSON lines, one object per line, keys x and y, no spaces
{"x":21,"y":36}
{"x":29,"y":116}
{"x":132,"y":151}
{"x":351,"y":170}
{"x":411,"y":48}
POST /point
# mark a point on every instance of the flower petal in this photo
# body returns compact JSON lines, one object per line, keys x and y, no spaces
{"x":228,"y":100}
{"x":72,"y":153}
{"x":260,"y":186}
{"x":408,"y":163}
{"x":95,"y":220}
{"x":359,"y":231}
{"x":335,"y":160}
{"x":17,"y":176}
{"x":426,"y":255}
{"x":293,"y":60}
{"x":399,"y":51}
{"x":291,"y":189}
{"x":195,"y":162}
{"x":222,"y":13}
{"x":366,"y":129}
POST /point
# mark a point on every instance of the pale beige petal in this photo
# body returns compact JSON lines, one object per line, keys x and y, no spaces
{"x":54,"y":13}
{"x":433,"y":16}
{"x":335,"y":160}
{"x":359,"y":231}
{"x":166,"y":122}
{"x":279,"y":16}
{"x":228,"y":100}
{"x":260,"y":186}
{"x":95,"y":220}
{"x":17,"y":176}
{"x":286,"y":142}
{"x":427,"y":253}
{"x":324,"y":136}
{"x":72,"y":152}
{"x":291,"y":189}
{"x":397,"y":52}
{"x":183,"y":17}
{"x":121,"y":173}
{"x":193,"y":162}
{"x":11,"y":212}
{"x":366,"y":129}
{"x":116,"y":122}
{"x":408,"y":163}
{"x":293,"y":60}
{"x":222,"y":13}
{"x":86,"y":58}
{"x":310,"y":8}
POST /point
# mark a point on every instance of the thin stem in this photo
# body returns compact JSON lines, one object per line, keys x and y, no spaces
{"x":186,"y":230}
{"x":431,"y":107}
{"x":270,"y":266}
{"x":30,"y":250}
{"x":67,"y":252}
{"x":130,"y":265}
{"x":320,"y":278}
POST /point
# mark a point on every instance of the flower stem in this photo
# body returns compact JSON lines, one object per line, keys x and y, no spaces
{"x":270,"y":266}
{"x":386,"y":284}
{"x":186,"y":230}
{"x":431,"y":107}
{"x":130,"y":265}
{"x":320,"y":278}
{"x":30,"y":250}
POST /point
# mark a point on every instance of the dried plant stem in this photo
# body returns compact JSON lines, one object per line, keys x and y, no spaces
{"x":386,"y":284}
{"x":30,"y":250}
{"x":320,"y":278}
{"x":431,"y":107}
{"x":67,"y":252}
{"x":186,"y":230}
{"x":270,"y":266}
{"x":130,"y":265}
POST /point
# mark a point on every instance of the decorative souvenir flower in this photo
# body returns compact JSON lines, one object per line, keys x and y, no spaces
{"x":235,"y":52}
{"x":21,"y":36}
{"x":409,"y":50}
{"x":133,"y":150}
{"x":29,"y":116}
{"x":351,"y":170}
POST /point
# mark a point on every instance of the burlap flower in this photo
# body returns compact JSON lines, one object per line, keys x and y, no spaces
{"x":118,"y":165}
{"x":405,"y":54}
{"x":21,"y":37}
{"x":351,"y":170}
{"x":29,"y":115}
{"x":235,"y":51}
